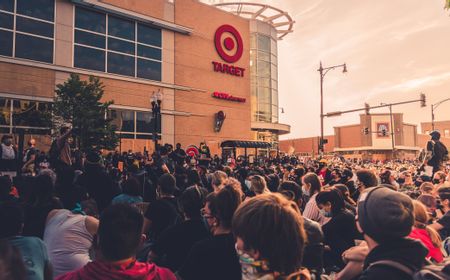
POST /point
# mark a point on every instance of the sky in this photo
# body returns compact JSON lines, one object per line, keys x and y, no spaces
{"x":394,"y":50}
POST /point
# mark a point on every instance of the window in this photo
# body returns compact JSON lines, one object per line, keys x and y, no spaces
{"x":34,"y":29}
{"x":134,"y":124}
{"x":121,"y":46}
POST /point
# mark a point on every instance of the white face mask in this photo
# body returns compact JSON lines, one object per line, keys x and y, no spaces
{"x":248,"y":184}
{"x":305,"y":190}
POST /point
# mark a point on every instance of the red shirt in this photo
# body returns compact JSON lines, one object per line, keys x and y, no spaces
{"x":434,"y":253}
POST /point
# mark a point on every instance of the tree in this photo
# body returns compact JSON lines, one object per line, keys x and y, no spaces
{"x":78,"y":103}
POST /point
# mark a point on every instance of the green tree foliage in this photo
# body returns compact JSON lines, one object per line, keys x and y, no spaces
{"x":77,"y":103}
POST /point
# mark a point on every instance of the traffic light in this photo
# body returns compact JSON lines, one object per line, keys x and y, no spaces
{"x":384,"y":132}
{"x":423,"y":100}
{"x":366,"y":130}
{"x":367,"y":106}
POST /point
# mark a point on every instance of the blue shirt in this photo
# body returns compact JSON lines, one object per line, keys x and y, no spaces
{"x":125,"y":198}
{"x":34,"y":255}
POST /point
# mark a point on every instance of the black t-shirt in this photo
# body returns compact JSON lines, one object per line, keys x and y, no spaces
{"x":174,"y":244}
{"x":212,"y":258}
{"x":163,"y":213}
{"x":445,"y":222}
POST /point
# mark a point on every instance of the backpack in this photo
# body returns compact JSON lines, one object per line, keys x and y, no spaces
{"x":440,"y":151}
{"x":428,"y":272}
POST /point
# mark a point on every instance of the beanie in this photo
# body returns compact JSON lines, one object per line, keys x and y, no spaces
{"x":384,"y":214}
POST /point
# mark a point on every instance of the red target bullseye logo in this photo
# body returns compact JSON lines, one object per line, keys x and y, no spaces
{"x":228,"y":43}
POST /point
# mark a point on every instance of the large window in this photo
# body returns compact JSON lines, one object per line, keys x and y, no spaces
{"x":27,"y":29}
{"x":112,"y":44}
{"x":134,"y":124}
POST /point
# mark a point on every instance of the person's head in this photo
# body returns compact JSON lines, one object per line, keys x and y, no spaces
{"x":119,"y":232}
{"x":384,"y":215}
{"x":439,"y":178}
{"x":386,"y":177}
{"x":444,"y":196}
{"x":347,"y":174}
{"x":336,"y":174}
{"x":41,"y":190}
{"x":11,"y":262}
{"x":7,"y":139}
{"x":366,"y":178}
{"x":218,"y":178}
{"x":269,"y":228}
{"x":258,"y":185}
{"x":131,"y":187}
{"x":11,"y":219}
{"x":178,"y":146}
{"x":330,"y":202}
{"x":193,"y":177}
{"x":311,"y":183}
{"x":429,"y":201}
{"x":220,"y":207}
{"x":435,"y":135}
{"x":166,"y":184}
{"x":421,"y":221}
{"x":273,"y":182}
{"x":32,"y":142}
{"x":292,"y":191}
{"x":426,"y":188}
{"x":5,"y":187}
{"x":191,"y":201}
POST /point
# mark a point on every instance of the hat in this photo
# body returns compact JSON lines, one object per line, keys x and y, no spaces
{"x":384,"y":214}
{"x":435,"y":134}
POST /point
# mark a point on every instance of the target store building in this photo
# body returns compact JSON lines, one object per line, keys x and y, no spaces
{"x":201,"y":59}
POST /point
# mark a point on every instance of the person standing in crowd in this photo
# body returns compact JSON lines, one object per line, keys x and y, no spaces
{"x":130,"y":192}
{"x":340,"y":231}
{"x":336,"y":177}
{"x":5,"y":189}
{"x":119,"y":236}
{"x":436,"y":152}
{"x":63,"y":155}
{"x":218,"y":179}
{"x":442,"y":225}
{"x":215,"y":257}
{"x":32,"y":249}
{"x":8,"y":155}
{"x":385,"y":218}
{"x":178,"y":155}
{"x":425,"y":233}
{"x":258,"y":185}
{"x":311,"y":186}
{"x":439,"y":180}
{"x":347,"y":177}
{"x":11,"y":263}
{"x":364,"y":179}
{"x":69,"y":238}
{"x":29,"y":158}
{"x":270,"y":238}
{"x":163,"y":212}
{"x":173,"y":246}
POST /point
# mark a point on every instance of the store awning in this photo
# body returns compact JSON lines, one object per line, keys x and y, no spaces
{"x":245,"y":144}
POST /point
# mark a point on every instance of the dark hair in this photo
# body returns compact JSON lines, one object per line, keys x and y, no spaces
{"x":313,"y":180}
{"x":385,"y":177}
{"x":11,"y":219}
{"x":41,"y":190}
{"x":11,"y":262}
{"x":224,"y":203}
{"x":6,"y":136}
{"x":5,"y":187}
{"x":347,"y":174}
{"x":334,"y":197}
{"x":273,"y":226}
{"x":444,"y":192}
{"x":192,"y":200}
{"x":131,"y":187}
{"x":193,"y":177}
{"x":291,"y":187}
{"x":273,"y":182}
{"x":342,"y":189}
{"x":63,"y":129}
{"x":167,"y":183}
{"x":119,"y":231}
{"x":367,"y":178}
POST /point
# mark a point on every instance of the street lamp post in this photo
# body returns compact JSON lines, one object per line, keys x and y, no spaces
{"x":433,"y":107}
{"x":156,"y":101}
{"x":323,"y":71}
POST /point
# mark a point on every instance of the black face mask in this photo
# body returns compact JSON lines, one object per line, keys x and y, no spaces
{"x":417,"y":183}
{"x":401,"y":180}
{"x":436,"y":181}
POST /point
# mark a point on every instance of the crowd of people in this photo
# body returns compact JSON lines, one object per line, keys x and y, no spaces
{"x":68,"y":215}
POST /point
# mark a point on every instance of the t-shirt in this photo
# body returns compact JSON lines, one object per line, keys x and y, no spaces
{"x":212,"y":258}
{"x":445,"y":222}
{"x":126,"y":198}
{"x":34,"y":255}
{"x":163,"y":213}
{"x":174,"y":243}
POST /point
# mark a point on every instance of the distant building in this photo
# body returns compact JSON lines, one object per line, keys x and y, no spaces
{"x":442,"y":126}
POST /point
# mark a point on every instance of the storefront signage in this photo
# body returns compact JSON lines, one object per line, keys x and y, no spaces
{"x":229,"y":97}
{"x":229,"y":49}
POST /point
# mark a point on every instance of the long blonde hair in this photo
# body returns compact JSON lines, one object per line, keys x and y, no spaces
{"x":421,"y":221}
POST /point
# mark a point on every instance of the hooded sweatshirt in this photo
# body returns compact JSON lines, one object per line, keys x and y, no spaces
{"x":99,"y":270}
{"x":408,"y":252}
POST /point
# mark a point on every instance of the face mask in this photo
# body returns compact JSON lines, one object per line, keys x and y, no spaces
{"x":436,"y":181}
{"x":417,"y":183}
{"x":401,"y":180}
{"x":325,"y":213}
{"x":305,"y":191}
{"x":251,"y":268}
{"x":248,"y":184}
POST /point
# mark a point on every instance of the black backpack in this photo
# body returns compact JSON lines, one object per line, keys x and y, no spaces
{"x":428,"y":272}
{"x":440,"y":151}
